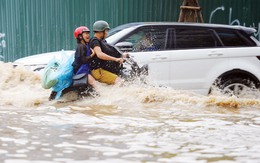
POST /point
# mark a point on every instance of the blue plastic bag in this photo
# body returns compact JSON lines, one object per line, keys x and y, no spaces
{"x":58,"y":73}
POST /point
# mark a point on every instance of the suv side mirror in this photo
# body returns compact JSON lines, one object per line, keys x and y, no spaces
{"x":125,"y":46}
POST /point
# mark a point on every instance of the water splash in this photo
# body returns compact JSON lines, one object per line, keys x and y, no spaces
{"x":21,"y":87}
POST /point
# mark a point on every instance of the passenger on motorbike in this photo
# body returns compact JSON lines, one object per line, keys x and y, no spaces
{"x":83,"y":54}
{"x":105,"y":65}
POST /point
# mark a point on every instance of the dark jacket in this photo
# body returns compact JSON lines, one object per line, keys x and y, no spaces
{"x":108,"y":49}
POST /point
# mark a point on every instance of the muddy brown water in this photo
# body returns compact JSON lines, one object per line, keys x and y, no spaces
{"x":135,"y":123}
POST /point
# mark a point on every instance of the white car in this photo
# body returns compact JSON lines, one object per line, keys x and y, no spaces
{"x":194,"y":56}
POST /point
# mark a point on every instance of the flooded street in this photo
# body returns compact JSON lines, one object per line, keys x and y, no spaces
{"x":135,"y":123}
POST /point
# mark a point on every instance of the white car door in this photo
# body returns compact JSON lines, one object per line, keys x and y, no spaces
{"x":196,"y":69}
{"x":196,"y":60}
{"x":147,"y":43}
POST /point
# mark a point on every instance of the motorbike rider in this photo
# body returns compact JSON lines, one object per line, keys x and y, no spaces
{"x":83,"y":54}
{"x":105,"y":65}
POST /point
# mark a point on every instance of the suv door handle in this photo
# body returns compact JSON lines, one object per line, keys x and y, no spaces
{"x":156,"y":57}
{"x":159,"y":57}
{"x":215,"y":54}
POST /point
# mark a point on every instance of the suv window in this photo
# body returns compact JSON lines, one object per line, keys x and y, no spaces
{"x":194,"y":38}
{"x":233,"y":38}
{"x":147,"y":39}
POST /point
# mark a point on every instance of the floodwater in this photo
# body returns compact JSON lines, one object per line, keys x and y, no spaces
{"x":137,"y":123}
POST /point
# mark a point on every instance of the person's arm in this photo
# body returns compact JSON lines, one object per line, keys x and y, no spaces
{"x":104,"y":56}
{"x":123,"y":55}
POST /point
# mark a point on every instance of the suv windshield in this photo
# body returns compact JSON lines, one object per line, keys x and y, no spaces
{"x":120,"y":28}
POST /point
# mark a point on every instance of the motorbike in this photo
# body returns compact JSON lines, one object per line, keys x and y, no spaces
{"x":129,"y":71}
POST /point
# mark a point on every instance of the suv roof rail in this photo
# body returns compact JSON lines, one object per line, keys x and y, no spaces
{"x":248,"y":30}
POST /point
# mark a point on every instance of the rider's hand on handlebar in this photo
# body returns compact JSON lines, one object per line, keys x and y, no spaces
{"x":120,"y":60}
{"x":126,"y":55}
